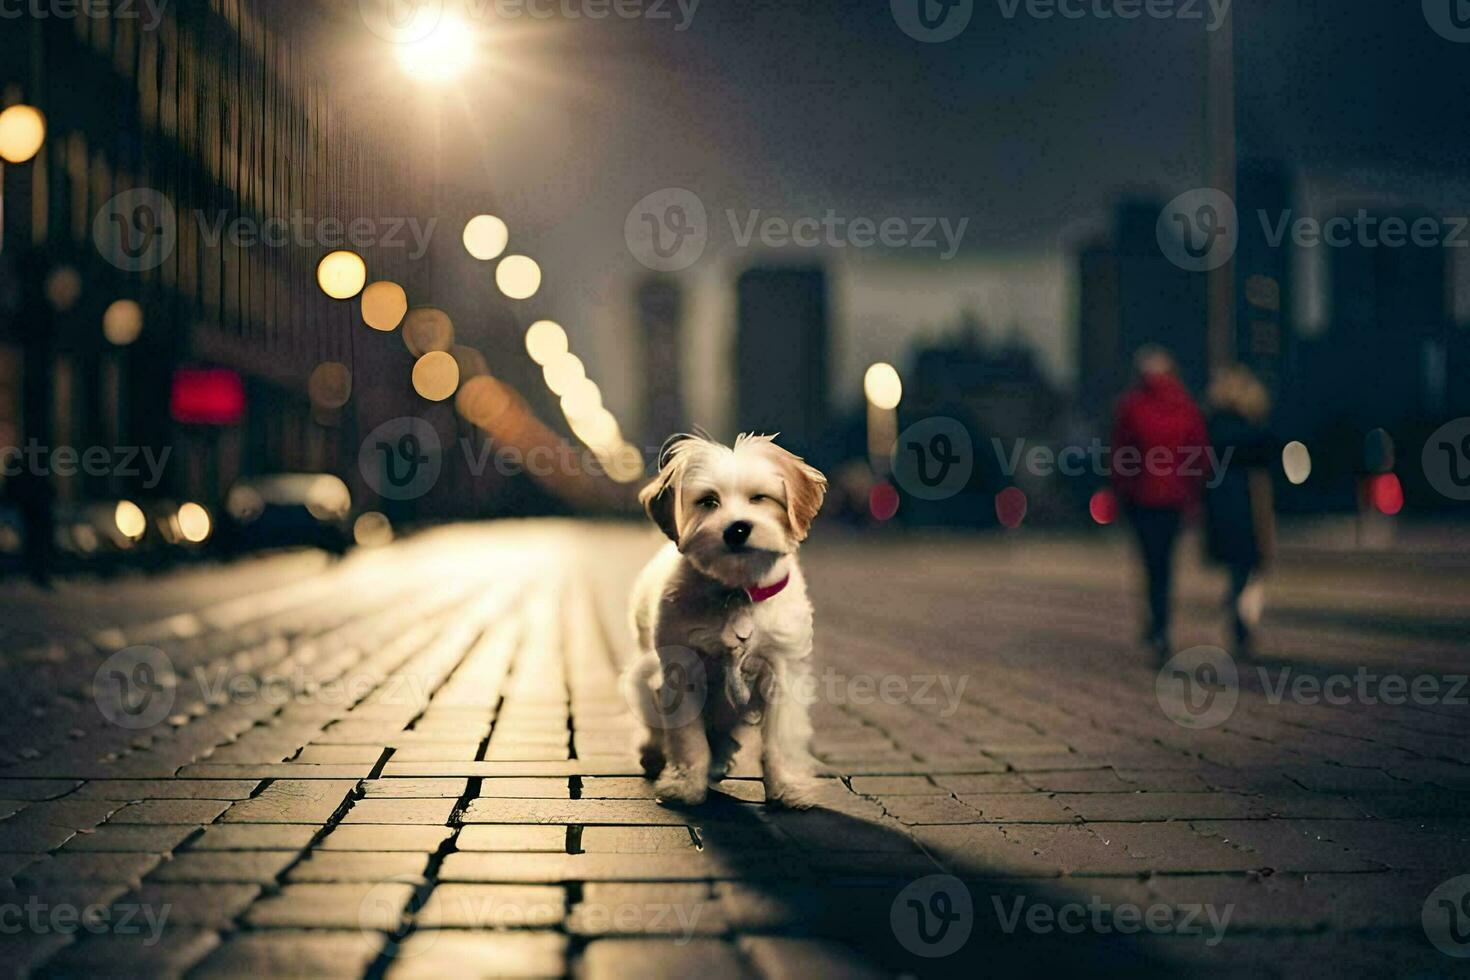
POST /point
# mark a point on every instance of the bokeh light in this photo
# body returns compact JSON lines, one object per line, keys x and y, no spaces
{"x":1010,"y":507}
{"x":194,"y":523}
{"x":582,"y":399}
{"x":518,"y":277}
{"x":563,"y":372}
{"x":122,"y":322}
{"x":341,"y":274}
{"x":328,"y":499}
{"x":436,"y":376}
{"x":130,"y":520}
{"x":883,"y":501}
{"x":483,"y":400}
{"x":22,"y":131}
{"x":1386,"y":493}
{"x":546,"y":341}
{"x":883,"y":386}
{"x":330,"y":385}
{"x":372,"y":530}
{"x":625,"y":464}
{"x":63,"y":288}
{"x":384,"y":305}
{"x":1296,"y":461}
{"x":485,"y":237}
{"x":1103,"y":507}
{"x":471,"y":362}
{"x":599,"y":431}
{"x":426,"y":329}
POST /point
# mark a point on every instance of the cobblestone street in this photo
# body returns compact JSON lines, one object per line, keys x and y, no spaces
{"x":415,"y":762}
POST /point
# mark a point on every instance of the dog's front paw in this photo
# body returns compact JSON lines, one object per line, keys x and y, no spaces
{"x":680,"y":787}
{"x":793,"y":793}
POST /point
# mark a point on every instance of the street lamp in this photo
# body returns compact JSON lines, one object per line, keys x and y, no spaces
{"x":442,"y":55}
{"x":22,"y":131}
{"x":884,"y":390}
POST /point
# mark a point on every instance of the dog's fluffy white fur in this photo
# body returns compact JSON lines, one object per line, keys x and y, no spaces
{"x":715,"y":663}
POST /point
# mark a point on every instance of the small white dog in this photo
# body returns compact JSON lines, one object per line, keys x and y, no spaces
{"x":723,"y":619}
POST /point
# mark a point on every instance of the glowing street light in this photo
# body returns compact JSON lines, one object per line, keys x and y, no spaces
{"x":436,"y":376}
{"x":384,"y":305}
{"x":22,"y":131}
{"x":546,"y":341}
{"x":485,"y":237}
{"x":518,"y":276}
{"x":341,"y":274}
{"x":441,"y":55}
{"x":122,"y":322}
{"x":883,"y":386}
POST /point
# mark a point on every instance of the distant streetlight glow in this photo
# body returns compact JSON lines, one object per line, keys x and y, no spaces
{"x":122,"y":322}
{"x":1296,"y":460}
{"x":22,"y":131}
{"x":436,"y":376}
{"x":442,"y":55}
{"x":883,"y":386}
{"x":130,"y":520}
{"x":427,"y":328}
{"x":330,"y":385}
{"x":384,"y":305}
{"x":341,"y":274}
{"x":485,"y":237}
{"x":546,"y":341}
{"x":564,"y":372}
{"x":194,"y":523}
{"x":518,"y":277}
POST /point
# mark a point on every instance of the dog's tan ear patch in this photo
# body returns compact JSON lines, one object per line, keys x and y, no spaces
{"x":660,"y":499}
{"x":806,"y":488}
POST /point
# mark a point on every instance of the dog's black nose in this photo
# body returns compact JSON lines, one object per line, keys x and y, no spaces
{"x":737,"y":533}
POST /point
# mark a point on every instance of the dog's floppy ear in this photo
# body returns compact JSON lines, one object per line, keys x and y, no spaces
{"x":660,"y":499}
{"x":806,"y":488}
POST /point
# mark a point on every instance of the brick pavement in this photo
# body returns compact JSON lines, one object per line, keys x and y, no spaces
{"x":416,"y":762}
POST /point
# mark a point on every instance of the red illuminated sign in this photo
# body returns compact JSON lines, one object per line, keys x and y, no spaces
{"x":207,"y":396}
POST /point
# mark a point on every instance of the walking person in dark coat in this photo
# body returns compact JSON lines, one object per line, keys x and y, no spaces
{"x":1158,"y":439}
{"x":1240,"y":524}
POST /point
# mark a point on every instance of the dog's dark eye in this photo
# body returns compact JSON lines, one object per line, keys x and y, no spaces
{"x":709,"y":503}
{"x":759,"y":498}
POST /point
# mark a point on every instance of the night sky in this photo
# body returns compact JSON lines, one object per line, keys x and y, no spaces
{"x":1028,"y":128}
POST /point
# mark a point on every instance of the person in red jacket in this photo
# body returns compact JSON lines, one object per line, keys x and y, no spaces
{"x":1159,"y":443}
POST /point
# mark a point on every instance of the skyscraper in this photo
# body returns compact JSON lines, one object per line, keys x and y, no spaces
{"x":780,"y":355}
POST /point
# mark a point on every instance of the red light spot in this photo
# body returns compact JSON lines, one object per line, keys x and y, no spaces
{"x":1103,"y":506}
{"x":1386,"y":493}
{"x":207,"y":396}
{"x":883,"y":501}
{"x":1010,"y":506}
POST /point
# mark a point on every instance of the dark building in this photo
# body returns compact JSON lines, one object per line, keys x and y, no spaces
{"x":1131,"y":295}
{"x":1265,"y":335}
{"x":660,"y":304}
{"x":166,"y":138}
{"x":780,"y":354}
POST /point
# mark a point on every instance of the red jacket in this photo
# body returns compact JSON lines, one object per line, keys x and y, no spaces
{"x":1159,"y":445}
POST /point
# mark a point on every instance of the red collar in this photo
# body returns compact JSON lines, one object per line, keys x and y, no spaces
{"x":762,"y":593}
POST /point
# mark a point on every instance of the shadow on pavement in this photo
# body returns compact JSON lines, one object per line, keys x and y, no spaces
{"x":903,"y":909}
